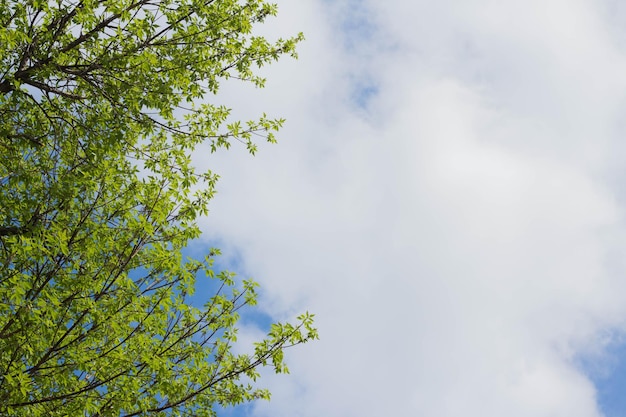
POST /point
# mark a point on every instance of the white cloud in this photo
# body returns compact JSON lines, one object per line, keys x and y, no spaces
{"x":459,"y":238}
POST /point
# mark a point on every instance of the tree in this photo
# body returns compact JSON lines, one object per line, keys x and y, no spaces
{"x":101,"y":104}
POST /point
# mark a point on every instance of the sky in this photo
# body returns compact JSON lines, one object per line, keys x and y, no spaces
{"x":447,"y":198}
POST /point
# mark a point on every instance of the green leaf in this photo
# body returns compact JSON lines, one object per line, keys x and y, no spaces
{"x":102,"y":105}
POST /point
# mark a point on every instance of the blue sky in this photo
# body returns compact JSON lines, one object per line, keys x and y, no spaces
{"x":447,"y":197}
{"x":609,"y":376}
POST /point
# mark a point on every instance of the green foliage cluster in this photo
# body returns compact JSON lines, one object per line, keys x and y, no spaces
{"x":101,"y":104}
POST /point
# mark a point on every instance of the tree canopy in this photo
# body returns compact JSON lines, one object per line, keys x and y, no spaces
{"x":102,"y":103}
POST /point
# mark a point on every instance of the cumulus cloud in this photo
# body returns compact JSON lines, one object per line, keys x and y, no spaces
{"x":445,"y":198}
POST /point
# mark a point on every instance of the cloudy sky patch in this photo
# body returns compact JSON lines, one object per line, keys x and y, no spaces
{"x":446,"y":197}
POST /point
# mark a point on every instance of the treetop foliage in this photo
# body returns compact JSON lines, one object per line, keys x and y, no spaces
{"x":101,"y":104}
